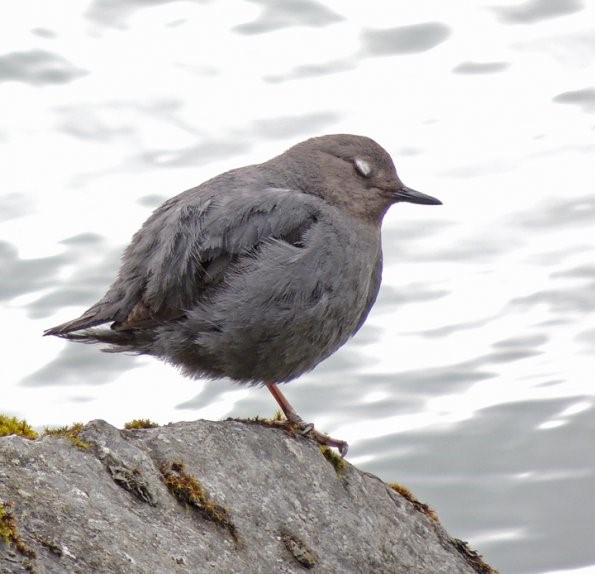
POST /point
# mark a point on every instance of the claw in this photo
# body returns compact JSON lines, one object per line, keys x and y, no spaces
{"x":306,"y":429}
{"x":327,"y":440}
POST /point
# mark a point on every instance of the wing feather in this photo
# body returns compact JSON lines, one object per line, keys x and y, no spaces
{"x":187,"y":248}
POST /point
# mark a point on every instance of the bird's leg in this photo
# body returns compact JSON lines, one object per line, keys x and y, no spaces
{"x":306,"y":428}
{"x":282,"y":401}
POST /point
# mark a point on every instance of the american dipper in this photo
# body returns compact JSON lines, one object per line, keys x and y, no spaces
{"x":258,"y":274}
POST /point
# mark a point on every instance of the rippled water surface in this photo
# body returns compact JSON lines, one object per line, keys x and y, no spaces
{"x":472,"y":381}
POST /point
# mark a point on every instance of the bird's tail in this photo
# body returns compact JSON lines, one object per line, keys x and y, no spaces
{"x":133,"y":341}
{"x":104,"y":311}
{"x":85,"y":321}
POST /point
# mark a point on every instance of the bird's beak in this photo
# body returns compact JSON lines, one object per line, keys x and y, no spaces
{"x":405,"y":193}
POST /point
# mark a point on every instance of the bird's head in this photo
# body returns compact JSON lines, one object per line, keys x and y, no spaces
{"x":352,"y":172}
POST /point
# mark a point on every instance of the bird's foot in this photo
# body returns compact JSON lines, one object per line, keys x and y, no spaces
{"x":294,"y":422}
{"x":307,"y":429}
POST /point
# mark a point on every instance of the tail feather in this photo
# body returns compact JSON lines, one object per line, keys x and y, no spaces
{"x":85,"y":321}
{"x":104,"y":311}
{"x":133,"y":341}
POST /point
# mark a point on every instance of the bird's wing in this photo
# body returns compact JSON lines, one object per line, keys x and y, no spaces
{"x":373,"y":289}
{"x":188,"y":247}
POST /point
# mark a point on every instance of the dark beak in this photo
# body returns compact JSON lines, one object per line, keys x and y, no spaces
{"x":405,"y":193}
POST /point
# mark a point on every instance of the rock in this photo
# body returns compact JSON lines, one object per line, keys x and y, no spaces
{"x":193,"y":497}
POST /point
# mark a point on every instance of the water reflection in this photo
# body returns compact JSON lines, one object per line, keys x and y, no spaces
{"x":80,"y":365}
{"x":38,"y":68}
{"x":564,"y":212}
{"x":12,"y":206}
{"x":311,"y":71}
{"x":44,"y":33}
{"x":97,"y":267}
{"x":114,"y":13}
{"x":404,"y":39}
{"x":207,"y":150}
{"x":534,"y":11}
{"x":279,"y":14}
{"x":22,"y":276}
{"x":480,"y":67}
{"x":584,"y":98}
{"x":447,"y":330}
{"x":518,"y":504}
{"x":565,"y":300}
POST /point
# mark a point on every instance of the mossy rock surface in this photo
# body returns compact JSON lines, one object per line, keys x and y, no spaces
{"x":212,"y":497}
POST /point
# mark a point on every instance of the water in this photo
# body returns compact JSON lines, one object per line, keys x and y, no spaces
{"x":471,"y":382}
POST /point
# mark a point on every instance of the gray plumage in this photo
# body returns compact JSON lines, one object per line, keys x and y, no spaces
{"x":259,"y":273}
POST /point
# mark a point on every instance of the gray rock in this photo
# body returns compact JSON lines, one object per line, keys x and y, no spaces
{"x":194,"y":497}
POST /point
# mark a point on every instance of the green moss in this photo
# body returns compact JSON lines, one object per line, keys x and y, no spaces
{"x":337,"y":461}
{"x":191,"y":494}
{"x":278,"y":416}
{"x":140,"y":424}
{"x":474,"y":559}
{"x":70,"y":432}
{"x":9,"y":532}
{"x":277,"y":420}
{"x":12,"y":425}
{"x":406,"y":493}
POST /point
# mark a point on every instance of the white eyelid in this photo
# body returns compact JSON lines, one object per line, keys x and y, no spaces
{"x":363,"y":166}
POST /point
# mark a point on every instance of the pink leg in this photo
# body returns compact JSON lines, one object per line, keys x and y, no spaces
{"x":282,"y":401}
{"x":306,"y":428}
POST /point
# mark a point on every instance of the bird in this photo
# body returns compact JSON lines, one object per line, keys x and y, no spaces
{"x":259,"y":273}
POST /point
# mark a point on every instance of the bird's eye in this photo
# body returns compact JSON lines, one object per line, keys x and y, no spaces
{"x":363,"y":167}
